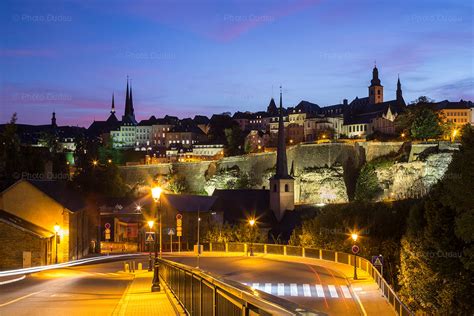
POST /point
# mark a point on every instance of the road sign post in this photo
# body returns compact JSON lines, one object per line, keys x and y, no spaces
{"x":377,"y":261}
{"x":171,"y":233}
{"x":355,"y":251}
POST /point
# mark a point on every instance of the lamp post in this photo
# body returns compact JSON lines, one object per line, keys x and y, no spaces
{"x":150,"y":225}
{"x":156,"y":194}
{"x":252,"y":224}
{"x":56,"y":231}
{"x":354,"y":238}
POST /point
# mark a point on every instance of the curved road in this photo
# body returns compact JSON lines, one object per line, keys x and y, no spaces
{"x":314,"y":287}
{"x":93,"y":289}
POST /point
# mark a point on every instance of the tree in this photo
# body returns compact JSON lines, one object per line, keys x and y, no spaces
{"x":426,"y":124}
{"x":437,"y":254}
{"x":235,"y":141}
{"x":10,"y":150}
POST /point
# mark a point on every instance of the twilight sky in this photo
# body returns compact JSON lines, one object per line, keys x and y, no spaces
{"x":201,"y":57}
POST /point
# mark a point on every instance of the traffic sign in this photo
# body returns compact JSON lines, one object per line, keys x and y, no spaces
{"x":355,"y":249}
{"x":377,"y":260}
{"x":107,"y":225}
{"x":107,"y":234}
{"x":150,"y":237}
{"x":171,"y":231}
{"x":179,"y":231}
{"x":179,"y":222}
{"x":179,"y":216}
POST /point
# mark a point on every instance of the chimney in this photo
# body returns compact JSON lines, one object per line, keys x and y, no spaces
{"x":344,"y":101}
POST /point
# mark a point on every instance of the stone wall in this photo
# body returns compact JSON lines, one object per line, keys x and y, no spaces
{"x":14,"y":241}
{"x":327,"y":170}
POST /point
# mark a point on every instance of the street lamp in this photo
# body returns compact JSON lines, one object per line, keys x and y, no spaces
{"x":56,"y":231}
{"x":354,"y":238}
{"x":156,"y":194}
{"x":94,"y":162}
{"x":455,"y":132}
{"x":150,"y":225}
{"x":252,"y":225}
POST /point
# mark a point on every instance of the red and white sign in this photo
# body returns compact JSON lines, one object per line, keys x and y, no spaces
{"x":355,"y":249}
{"x":107,"y":225}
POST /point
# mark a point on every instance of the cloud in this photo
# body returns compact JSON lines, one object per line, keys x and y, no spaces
{"x":460,"y":89}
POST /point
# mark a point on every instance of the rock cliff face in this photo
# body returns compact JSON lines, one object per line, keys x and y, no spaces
{"x":322,"y":185}
{"x":324,"y":173}
{"x":412,"y":179}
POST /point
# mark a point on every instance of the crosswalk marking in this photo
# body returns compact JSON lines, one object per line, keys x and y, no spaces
{"x":319,"y":290}
{"x":332,"y":291}
{"x":293,"y":289}
{"x":268,"y":288}
{"x":306,"y":290}
{"x":303,"y":290}
{"x":345,"y":291}
{"x":281,"y":289}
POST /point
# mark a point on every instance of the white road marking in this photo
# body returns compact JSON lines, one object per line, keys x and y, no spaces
{"x":345,"y":291}
{"x":20,"y":298}
{"x":13,"y":280}
{"x":319,"y":290}
{"x":268,"y":288}
{"x":306,"y":290}
{"x":255,"y":286}
{"x":293,"y":289}
{"x":332,"y":291}
{"x":281,"y":289}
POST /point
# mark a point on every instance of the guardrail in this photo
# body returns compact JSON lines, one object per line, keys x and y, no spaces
{"x":199,"y":293}
{"x":329,"y":255}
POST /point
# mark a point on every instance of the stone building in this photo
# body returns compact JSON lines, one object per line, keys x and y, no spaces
{"x":23,"y":244}
{"x":41,"y":205}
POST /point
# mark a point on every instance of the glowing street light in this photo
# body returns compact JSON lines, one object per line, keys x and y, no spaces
{"x":95,"y":163}
{"x":453,"y":135}
{"x":156,"y":193}
{"x":252,"y":223}
{"x":56,"y":231}
{"x":354,"y":237}
{"x":150,"y":224}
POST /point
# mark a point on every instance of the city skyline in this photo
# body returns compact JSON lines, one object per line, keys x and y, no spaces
{"x":240,"y":55}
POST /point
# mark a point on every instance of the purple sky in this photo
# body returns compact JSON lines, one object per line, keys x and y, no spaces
{"x":202,"y":57}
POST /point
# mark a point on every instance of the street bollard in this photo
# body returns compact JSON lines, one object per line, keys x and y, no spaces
{"x":125,"y":267}
{"x":140,"y":267}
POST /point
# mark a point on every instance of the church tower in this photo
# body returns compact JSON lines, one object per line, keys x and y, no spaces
{"x":129,"y":115}
{"x":399,"y":90}
{"x":375,"y":88}
{"x":53,"y":120}
{"x":282,"y":185}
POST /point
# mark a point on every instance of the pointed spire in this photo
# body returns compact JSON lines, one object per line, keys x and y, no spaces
{"x":282,"y":165}
{"x":112,"y":111}
{"x":375,"y":77}
{"x":132,"y":111}
{"x":399,"y":90}
{"x":127,"y":103}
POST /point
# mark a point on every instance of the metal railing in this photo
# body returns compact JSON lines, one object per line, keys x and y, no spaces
{"x":328,"y":255}
{"x":199,"y":293}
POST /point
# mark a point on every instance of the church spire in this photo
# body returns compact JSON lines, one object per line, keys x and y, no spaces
{"x":112,"y":111}
{"x":399,"y":90}
{"x":375,"y":77}
{"x":127,"y":102}
{"x":282,"y":166}
{"x":132,"y":111}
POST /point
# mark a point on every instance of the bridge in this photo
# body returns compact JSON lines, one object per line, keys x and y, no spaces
{"x":224,"y":280}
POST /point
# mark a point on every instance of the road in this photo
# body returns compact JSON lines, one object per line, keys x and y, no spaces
{"x":93,"y":289}
{"x":314,"y":287}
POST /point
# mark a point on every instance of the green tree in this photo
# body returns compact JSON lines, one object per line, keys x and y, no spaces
{"x":437,"y":254}
{"x":10,"y":151}
{"x":426,"y":125}
{"x":235,"y":141}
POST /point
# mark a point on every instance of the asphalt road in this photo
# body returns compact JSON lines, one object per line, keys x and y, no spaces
{"x":314,"y":287}
{"x":82,"y":290}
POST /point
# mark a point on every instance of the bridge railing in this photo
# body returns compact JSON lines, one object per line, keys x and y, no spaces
{"x":322,"y":254}
{"x":200,"y":293}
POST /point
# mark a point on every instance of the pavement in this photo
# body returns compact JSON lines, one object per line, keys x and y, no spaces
{"x":315,"y":284}
{"x":91,"y":289}
{"x":139,"y":300}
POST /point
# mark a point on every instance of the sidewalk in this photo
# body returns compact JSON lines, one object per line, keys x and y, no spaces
{"x":139,"y":300}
